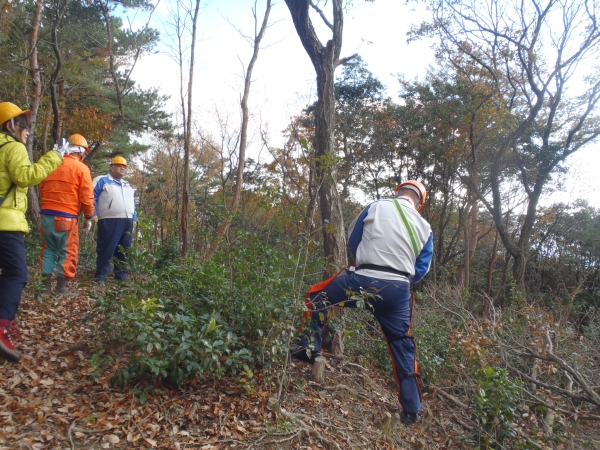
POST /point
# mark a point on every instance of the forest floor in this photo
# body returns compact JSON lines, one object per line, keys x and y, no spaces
{"x":55,"y":398}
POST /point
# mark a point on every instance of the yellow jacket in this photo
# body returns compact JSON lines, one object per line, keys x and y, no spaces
{"x":16,"y":175}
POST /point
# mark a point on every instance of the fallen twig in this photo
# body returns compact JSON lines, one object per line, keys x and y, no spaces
{"x":274,"y":405}
{"x":70,"y":436}
{"x":83,"y":430}
{"x":550,"y":386}
{"x":342,"y":387}
{"x":592,"y":397}
{"x":453,"y":399}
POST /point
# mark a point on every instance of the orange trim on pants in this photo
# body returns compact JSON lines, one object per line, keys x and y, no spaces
{"x":60,"y":249}
{"x":69,"y":266}
{"x":313,"y":289}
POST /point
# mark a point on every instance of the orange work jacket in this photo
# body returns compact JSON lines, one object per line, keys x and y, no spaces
{"x":69,"y":189}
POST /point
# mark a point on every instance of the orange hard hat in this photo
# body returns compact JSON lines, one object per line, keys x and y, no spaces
{"x":417,"y":187}
{"x":9,"y":111}
{"x":79,"y":140}
{"x":119,"y":160}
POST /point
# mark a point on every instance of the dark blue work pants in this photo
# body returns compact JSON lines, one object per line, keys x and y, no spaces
{"x":14,"y":272}
{"x":113,"y":234}
{"x":391,"y":303}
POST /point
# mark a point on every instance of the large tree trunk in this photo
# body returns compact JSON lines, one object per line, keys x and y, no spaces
{"x":334,"y":236}
{"x":471,"y":234}
{"x":325,"y":59}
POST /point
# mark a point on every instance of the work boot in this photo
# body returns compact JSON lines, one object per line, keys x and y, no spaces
{"x":303,"y":354}
{"x":409,"y":418}
{"x":7,"y":348}
{"x":61,"y":287}
{"x":47,"y":280}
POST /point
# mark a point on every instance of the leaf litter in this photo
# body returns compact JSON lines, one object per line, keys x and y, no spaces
{"x":56,"y":399}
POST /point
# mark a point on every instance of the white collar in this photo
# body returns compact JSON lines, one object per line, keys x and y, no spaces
{"x":121,"y":181}
{"x":408,"y":200}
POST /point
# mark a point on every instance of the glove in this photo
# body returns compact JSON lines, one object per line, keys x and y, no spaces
{"x":95,"y":219}
{"x":61,"y":147}
{"x":88,"y":224}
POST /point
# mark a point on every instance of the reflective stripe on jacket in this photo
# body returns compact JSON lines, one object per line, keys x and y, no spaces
{"x":16,"y":175}
{"x":378,"y":237}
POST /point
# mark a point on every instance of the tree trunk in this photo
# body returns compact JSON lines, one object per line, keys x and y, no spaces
{"x":463,"y":267}
{"x":36,"y":97}
{"x":54,"y":95}
{"x":490,"y":274}
{"x":334,"y":236}
{"x":188,"y":140}
{"x":325,"y":59}
{"x":239,"y":179}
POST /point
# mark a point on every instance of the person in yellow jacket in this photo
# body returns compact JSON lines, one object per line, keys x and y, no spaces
{"x":63,"y":195}
{"x":16,"y":175}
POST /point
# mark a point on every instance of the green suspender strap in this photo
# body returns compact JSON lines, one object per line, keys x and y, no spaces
{"x":414,"y":242}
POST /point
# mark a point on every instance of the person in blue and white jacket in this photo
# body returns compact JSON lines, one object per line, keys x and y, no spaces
{"x":393,"y":246}
{"x":115,"y":213}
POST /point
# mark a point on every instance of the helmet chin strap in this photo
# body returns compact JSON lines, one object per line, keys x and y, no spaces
{"x":12,"y":122}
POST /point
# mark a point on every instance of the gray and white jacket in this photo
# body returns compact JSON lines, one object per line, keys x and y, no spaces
{"x":113,"y":199}
{"x":377,"y":237}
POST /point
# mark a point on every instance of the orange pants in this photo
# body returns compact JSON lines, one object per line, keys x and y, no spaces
{"x":60,"y":245}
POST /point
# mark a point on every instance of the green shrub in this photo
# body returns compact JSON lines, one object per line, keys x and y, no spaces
{"x":432,"y":334}
{"x":252,"y":290}
{"x":497,"y":404}
{"x":168,"y":339}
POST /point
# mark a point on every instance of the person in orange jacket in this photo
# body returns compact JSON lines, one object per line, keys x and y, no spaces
{"x":63,"y":195}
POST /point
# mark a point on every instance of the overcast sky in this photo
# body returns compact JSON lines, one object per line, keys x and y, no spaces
{"x":284,"y":79}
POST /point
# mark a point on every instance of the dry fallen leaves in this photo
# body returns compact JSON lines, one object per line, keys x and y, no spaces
{"x":52,"y":397}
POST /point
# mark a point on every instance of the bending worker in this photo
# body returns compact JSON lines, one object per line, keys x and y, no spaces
{"x":115,"y":213}
{"x":393,"y":246}
{"x":16,"y":175}
{"x":63,"y":195}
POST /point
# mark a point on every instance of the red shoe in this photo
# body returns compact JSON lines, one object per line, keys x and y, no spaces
{"x":7,"y":349}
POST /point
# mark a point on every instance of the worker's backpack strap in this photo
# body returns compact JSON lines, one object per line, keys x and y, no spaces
{"x":414,"y":242}
{"x":11,"y":183}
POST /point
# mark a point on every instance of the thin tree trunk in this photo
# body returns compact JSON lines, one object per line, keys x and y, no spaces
{"x":239,"y":180}
{"x":54,"y":95}
{"x":462,"y":267}
{"x":490,"y":274}
{"x":36,"y":97}
{"x":188,"y":140}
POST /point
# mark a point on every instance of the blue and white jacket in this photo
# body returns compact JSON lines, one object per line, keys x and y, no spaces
{"x":377,"y":236}
{"x":113,"y":199}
